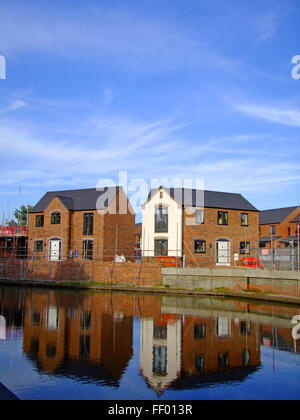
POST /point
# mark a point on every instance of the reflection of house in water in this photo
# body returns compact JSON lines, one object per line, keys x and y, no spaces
{"x":280,"y":338}
{"x":160,"y":352}
{"x":78,"y":340}
{"x":190,"y":351}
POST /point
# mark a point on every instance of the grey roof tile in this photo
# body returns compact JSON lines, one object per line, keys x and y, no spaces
{"x":84,"y":199}
{"x":275,"y":215}
{"x":212,"y":199}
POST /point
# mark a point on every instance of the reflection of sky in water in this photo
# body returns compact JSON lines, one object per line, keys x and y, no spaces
{"x":276,"y":378}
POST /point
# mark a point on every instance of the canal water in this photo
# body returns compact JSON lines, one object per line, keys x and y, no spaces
{"x":121,"y":346}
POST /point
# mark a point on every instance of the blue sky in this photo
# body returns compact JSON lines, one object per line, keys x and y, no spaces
{"x":172,"y":89}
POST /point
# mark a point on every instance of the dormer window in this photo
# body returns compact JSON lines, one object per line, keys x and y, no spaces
{"x":55,"y":218}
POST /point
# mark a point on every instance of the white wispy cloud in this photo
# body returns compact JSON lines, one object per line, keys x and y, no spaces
{"x":290,"y":117}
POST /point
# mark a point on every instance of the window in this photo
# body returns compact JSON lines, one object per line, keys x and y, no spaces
{"x":199,"y":363}
{"x":86,"y":320}
{"x":222,"y":218}
{"x":289,"y":231}
{"x":160,"y":360}
{"x":244,"y":219}
{"x":199,"y":216}
{"x":38,"y":246}
{"x":199,"y":331}
{"x":199,"y":247}
{"x":161,"y":194}
{"x":160,"y":247}
{"x":39,"y":220}
{"x":34,"y":347}
{"x":87,"y":250}
{"x":161,"y":219}
{"x":246,"y":358}
{"x":245,"y":328}
{"x":88,"y":223}
{"x":84,"y":346}
{"x":272,"y":229}
{"x":160,"y":332}
{"x":36,"y":318}
{"x":223,"y":360}
{"x":51,"y":351}
{"x":245,"y":247}
{"x":55,"y":218}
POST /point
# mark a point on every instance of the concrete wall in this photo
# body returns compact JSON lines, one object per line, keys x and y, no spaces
{"x":262,"y":281}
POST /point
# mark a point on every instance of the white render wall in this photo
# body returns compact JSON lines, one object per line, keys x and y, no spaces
{"x":174,"y":353}
{"x":174,"y":234}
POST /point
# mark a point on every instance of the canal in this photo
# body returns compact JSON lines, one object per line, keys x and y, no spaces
{"x":58,"y":344}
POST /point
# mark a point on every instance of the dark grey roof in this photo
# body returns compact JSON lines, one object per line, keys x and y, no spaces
{"x":296,"y":219}
{"x":275,"y":215}
{"x":213,"y":199}
{"x":78,"y":199}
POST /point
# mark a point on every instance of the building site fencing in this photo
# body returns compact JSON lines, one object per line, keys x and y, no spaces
{"x":136,"y":269}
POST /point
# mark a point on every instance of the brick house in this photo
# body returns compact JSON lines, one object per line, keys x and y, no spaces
{"x":138,"y":235}
{"x":206,"y":227}
{"x":279,"y":227}
{"x":82,"y":224}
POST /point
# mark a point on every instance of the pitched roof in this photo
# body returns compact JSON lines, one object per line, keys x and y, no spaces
{"x":213,"y":199}
{"x":275,"y":215}
{"x":85,"y":199}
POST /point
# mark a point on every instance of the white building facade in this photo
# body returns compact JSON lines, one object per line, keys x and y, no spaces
{"x":162,"y":225}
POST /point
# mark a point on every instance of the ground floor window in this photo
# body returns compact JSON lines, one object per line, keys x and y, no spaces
{"x":38,"y":246}
{"x":245,"y":247}
{"x":87,"y":253}
{"x":199,"y":246}
{"x":161,"y":247}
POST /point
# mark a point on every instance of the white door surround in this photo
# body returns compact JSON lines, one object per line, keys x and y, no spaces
{"x":223,"y":252}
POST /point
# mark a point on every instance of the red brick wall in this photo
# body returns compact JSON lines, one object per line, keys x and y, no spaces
{"x":129,"y":273}
{"x":211,"y":232}
{"x":112,"y":233}
{"x":282,"y":229}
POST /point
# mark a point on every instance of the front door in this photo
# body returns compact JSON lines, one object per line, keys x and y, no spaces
{"x":223,"y":253}
{"x":54,"y":250}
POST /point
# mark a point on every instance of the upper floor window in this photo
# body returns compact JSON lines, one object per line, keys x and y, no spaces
{"x":88,"y":223}
{"x":161,"y":219}
{"x":244,"y":219}
{"x":199,"y":331}
{"x":272,"y":229}
{"x":199,"y":216}
{"x":39,"y":220}
{"x":222,"y":218}
{"x":55,"y":218}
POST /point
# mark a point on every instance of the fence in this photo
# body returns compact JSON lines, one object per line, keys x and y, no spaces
{"x":280,"y":258}
{"x":275,"y":259}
